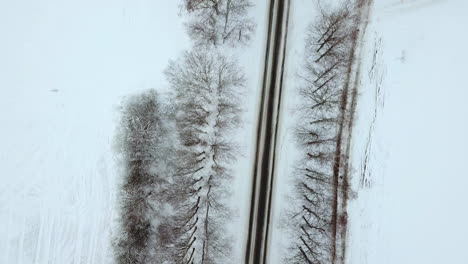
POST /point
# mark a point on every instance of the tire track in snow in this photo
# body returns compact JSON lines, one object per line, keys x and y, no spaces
{"x":376,"y":75}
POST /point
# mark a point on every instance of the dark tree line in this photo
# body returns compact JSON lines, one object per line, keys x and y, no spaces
{"x":219,"y":21}
{"x":327,"y":63}
{"x":178,"y":155}
{"x":173,"y":199}
{"x":142,"y":141}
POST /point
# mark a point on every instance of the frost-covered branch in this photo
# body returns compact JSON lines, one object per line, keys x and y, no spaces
{"x":219,"y":21}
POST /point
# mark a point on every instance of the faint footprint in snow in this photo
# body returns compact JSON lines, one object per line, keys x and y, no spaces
{"x":402,"y":57}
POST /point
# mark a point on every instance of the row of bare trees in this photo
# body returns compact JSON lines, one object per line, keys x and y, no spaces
{"x":177,"y":164}
{"x":323,"y":82}
{"x":178,"y":156}
{"x":208,"y":87}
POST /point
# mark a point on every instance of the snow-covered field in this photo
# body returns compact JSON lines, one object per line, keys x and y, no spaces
{"x":409,"y":139}
{"x":64,"y":68}
{"x":409,"y":161}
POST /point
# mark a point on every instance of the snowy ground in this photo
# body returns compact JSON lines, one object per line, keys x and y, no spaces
{"x":64,"y":68}
{"x":409,"y":145}
{"x":409,"y":141}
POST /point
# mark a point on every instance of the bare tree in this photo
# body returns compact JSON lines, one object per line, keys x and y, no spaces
{"x":219,"y":21}
{"x":142,"y":141}
{"x":207,"y":87}
{"x":325,"y":71}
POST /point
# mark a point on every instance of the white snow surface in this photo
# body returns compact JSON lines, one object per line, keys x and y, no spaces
{"x":64,"y":68}
{"x":411,"y":208}
{"x":66,"y":65}
{"x":410,"y":129}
